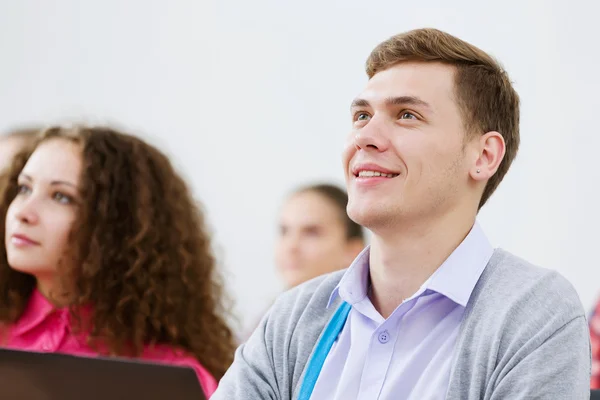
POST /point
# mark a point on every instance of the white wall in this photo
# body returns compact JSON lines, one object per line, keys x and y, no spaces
{"x":251,"y":98}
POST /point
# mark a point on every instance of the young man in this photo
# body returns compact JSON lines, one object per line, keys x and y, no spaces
{"x":430,"y":310}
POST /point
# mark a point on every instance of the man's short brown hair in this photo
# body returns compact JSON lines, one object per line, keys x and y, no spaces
{"x":484,"y":93}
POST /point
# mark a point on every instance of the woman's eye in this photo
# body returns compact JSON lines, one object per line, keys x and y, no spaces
{"x":62,"y":198}
{"x":23,"y":189}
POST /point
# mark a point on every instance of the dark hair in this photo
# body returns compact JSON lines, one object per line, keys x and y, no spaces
{"x":484,"y":92}
{"x":339,"y":198}
{"x":142,"y":254}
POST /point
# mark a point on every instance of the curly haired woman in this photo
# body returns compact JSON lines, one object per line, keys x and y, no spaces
{"x":106,"y":253}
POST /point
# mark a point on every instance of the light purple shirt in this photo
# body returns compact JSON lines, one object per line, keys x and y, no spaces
{"x":408,"y":355}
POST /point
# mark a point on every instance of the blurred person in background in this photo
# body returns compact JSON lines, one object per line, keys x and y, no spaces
{"x":14,"y":141}
{"x":316,"y":236}
{"x":106,"y":253}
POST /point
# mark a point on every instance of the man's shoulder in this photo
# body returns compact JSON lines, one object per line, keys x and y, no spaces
{"x":518,"y":290}
{"x":271,"y":362}
{"x":296,"y":320}
{"x":525,"y":279}
{"x":524,"y":329}
{"x":311,"y":297}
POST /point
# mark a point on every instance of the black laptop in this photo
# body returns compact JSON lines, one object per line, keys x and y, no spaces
{"x":51,"y":376}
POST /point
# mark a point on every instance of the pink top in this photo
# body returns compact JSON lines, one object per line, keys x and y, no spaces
{"x":43,"y":328}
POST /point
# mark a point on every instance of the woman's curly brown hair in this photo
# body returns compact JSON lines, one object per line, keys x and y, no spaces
{"x":142,"y":254}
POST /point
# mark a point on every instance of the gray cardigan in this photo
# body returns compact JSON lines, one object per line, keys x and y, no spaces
{"x":524,"y":336}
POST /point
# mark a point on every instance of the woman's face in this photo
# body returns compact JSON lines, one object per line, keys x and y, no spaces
{"x":40,"y":218}
{"x":312,"y":239}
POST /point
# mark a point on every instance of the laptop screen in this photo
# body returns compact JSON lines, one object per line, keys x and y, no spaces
{"x":49,"y":376}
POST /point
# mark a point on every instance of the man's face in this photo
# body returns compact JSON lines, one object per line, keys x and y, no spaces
{"x":405,"y":156}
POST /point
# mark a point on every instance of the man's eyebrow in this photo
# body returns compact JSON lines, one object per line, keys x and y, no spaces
{"x":359,"y":103}
{"x":396,"y":100}
{"x":407,"y":100}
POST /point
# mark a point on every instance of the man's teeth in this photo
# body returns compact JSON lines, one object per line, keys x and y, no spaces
{"x":376,"y":173}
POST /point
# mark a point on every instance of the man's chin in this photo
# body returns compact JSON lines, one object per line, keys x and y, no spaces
{"x":368,"y":217}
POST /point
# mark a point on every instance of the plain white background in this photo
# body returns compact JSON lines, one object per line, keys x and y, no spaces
{"x":251,"y":99}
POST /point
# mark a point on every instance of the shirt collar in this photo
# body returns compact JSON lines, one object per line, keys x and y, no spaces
{"x":36,"y":311}
{"x":353,"y":285}
{"x":455,"y":278}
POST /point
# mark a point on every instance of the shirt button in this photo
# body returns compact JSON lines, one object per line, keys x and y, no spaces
{"x":384,"y":337}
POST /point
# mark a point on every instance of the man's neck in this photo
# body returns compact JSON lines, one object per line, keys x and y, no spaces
{"x":401,"y":262}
